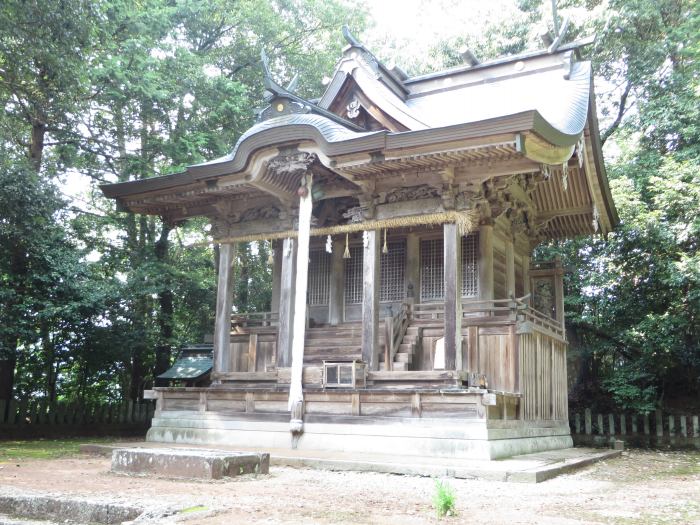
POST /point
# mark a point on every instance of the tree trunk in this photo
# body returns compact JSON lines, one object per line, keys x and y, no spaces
{"x":36,"y":146}
{"x":165,"y":300}
{"x":7,"y":377}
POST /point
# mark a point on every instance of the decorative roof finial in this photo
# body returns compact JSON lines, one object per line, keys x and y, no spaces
{"x":350,"y":38}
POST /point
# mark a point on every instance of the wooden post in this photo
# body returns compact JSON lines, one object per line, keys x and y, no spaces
{"x":224,"y":303}
{"x":526,"y":275}
{"x":370,"y":300}
{"x":588,"y":422}
{"x":510,"y":268}
{"x":486,"y":262}
{"x":252,"y":352}
{"x":559,"y":291}
{"x":336,"y":300}
{"x":276,"y":275}
{"x":413,"y":268}
{"x":452,"y":251}
{"x":285,"y":330}
{"x":296,"y":396}
{"x":659,"y":424}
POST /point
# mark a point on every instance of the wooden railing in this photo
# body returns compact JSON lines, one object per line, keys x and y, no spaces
{"x":395,"y":327}
{"x":254,"y":319}
{"x":502,"y":309}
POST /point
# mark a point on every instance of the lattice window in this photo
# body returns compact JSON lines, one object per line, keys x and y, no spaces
{"x":318,"y":289}
{"x":470,"y":268}
{"x":432,"y":270}
{"x":393,"y":272}
{"x":353,"y":276}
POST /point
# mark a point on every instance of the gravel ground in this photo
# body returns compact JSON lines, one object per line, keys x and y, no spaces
{"x":641,"y":487}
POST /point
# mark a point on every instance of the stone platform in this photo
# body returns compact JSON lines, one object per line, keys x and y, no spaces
{"x":187,"y":463}
{"x":526,"y":468}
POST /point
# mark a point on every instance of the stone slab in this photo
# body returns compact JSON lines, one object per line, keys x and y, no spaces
{"x":189,"y":463}
{"x":526,"y":468}
{"x":63,"y":509}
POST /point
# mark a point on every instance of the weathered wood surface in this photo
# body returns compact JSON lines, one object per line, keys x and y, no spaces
{"x":453,"y":295}
{"x":370,"y":301}
{"x":286,"y":306}
{"x":224,"y":303}
{"x":543,"y":384}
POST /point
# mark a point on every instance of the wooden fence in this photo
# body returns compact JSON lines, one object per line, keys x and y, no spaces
{"x":38,"y":418}
{"x":655,"y":429}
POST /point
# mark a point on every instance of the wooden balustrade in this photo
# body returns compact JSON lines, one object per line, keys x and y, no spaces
{"x":254,"y":319}
{"x":395,"y":328}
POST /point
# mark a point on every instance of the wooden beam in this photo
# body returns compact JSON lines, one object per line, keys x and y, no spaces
{"x":286,"y":305}
{"x":224,"y":303}
{"x":370,"y":300}
{"x":453,"y":327}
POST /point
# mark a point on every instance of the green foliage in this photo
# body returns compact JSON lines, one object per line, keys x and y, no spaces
{"x":444,"y":499}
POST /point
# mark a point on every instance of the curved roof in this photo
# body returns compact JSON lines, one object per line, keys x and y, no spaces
{"x":559,"y":96}
{"x":287,"y":128}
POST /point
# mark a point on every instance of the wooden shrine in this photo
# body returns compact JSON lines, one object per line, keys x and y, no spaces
{"x":407,"y":314}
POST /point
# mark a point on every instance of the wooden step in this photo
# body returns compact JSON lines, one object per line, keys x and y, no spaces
{"x":407,"y":348}
{"x":336,"y":341}
{"x":400,"y":366}
{"x":403,"y":357}
{"x":433,"y":332}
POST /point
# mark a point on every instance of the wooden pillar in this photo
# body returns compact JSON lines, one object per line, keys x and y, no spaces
{"x":510,"y":268}
{"x":296,"y":396}
{"x":526,"y":276}
{"x":276,"y":275}
{"x":486,"y":262}
{"x":224,"y":303}
{"x":286,"y":303}
{"x":370,"y":300}
{"x":336,"y":301}
{"x":413,"y":267}
{"x":452,"y":251}
{"x":559,"y":290}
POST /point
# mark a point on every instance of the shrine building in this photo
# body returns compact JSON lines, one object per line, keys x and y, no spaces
{"x":408,"y":315}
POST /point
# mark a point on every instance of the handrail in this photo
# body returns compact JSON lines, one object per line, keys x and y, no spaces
{"x":395,"y":328}
{"x":494,"y":308}
{"x":249,"y":319}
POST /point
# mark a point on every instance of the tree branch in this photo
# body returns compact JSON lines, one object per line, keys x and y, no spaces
{"x":622,"y":109}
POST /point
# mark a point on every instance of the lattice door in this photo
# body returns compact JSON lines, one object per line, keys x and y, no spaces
{"x":319,"y":278}
{"x":432,"y":270}
{"x":353,"y":276}
{"x":470,"y":269}
{"x":393,"y":272}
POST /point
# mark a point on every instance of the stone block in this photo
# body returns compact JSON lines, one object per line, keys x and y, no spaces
{"x":189,"y":463}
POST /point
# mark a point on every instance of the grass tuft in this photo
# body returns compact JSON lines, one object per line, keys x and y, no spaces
{"x":444,"y":499}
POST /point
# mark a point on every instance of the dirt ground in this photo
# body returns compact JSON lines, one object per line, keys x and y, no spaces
{"x":641,"y":487}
